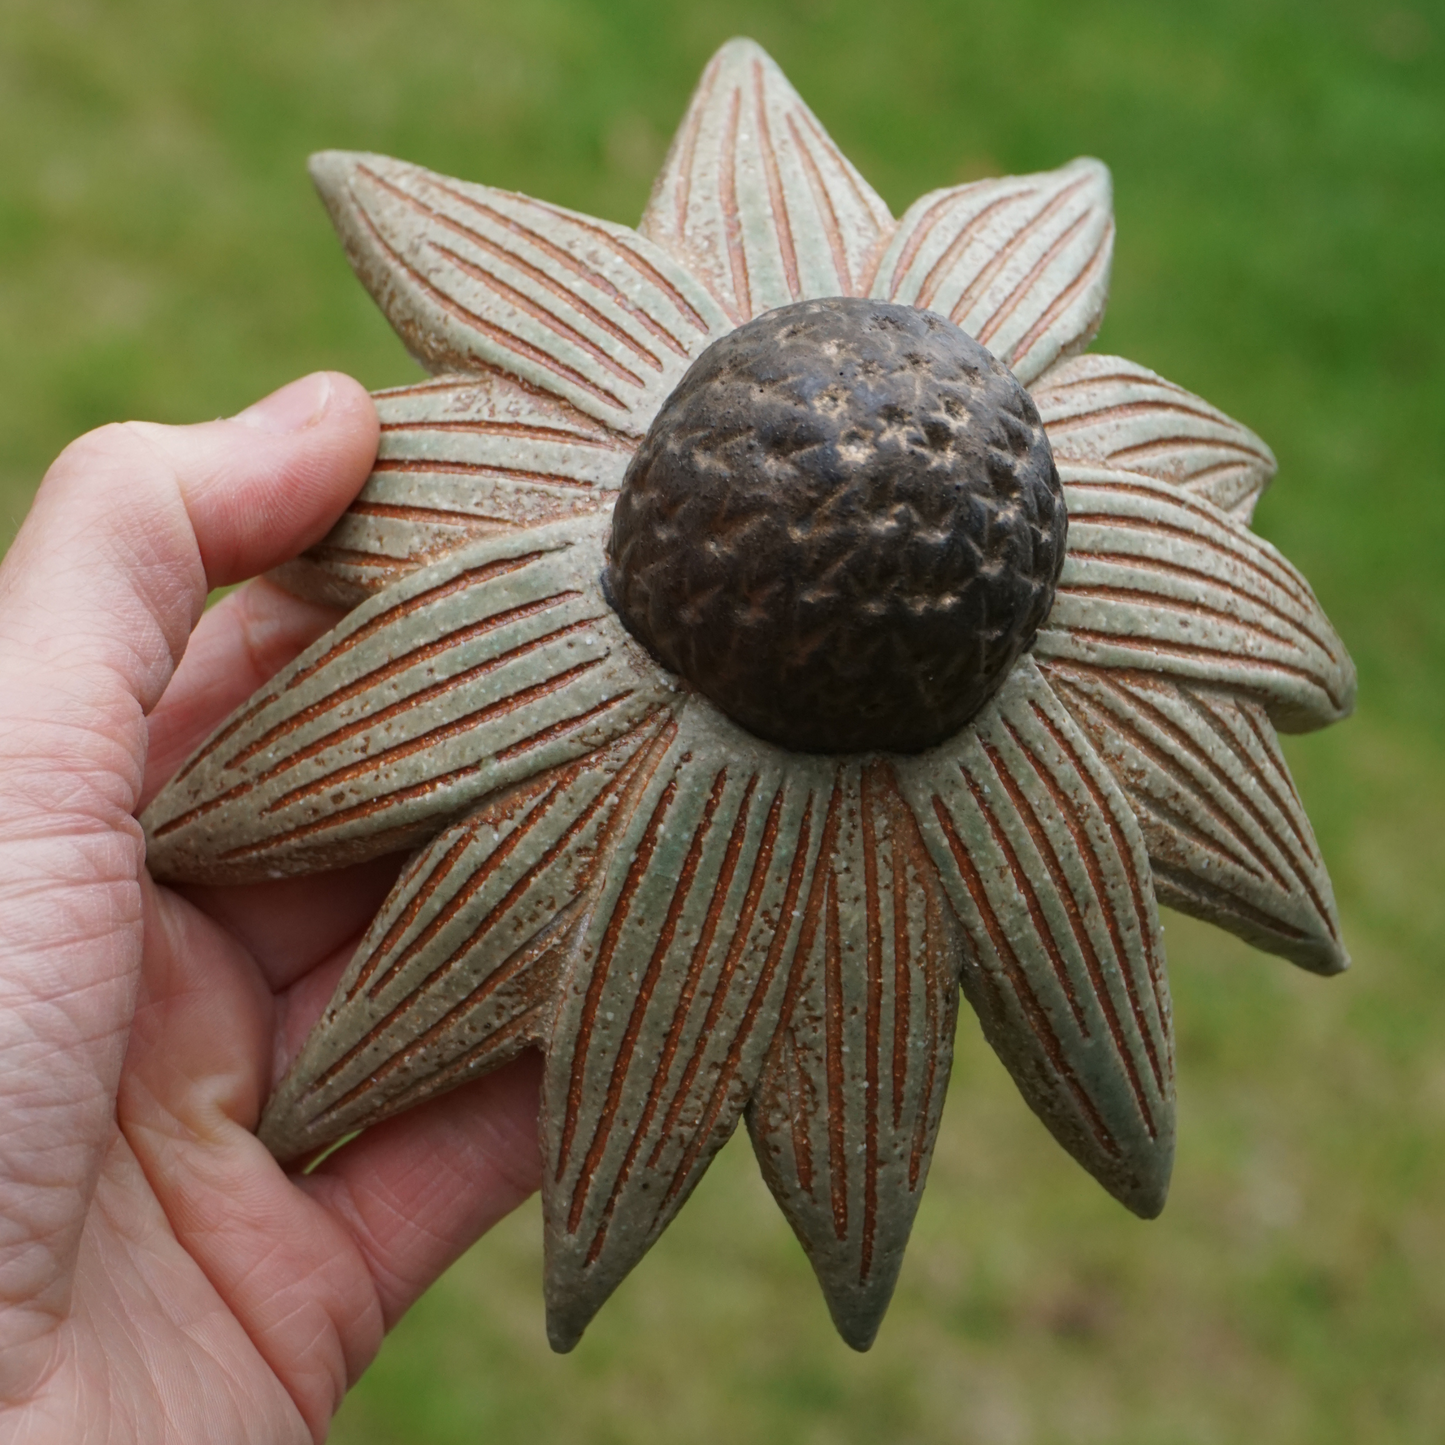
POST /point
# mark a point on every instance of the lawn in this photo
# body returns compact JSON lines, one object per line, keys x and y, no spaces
{"x":1280,"y":188}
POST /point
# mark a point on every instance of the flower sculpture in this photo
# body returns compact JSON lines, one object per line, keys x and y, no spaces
{"x":752,"y":667}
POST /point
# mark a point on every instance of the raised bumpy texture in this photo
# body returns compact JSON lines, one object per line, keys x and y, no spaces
{"x":843,"y":527}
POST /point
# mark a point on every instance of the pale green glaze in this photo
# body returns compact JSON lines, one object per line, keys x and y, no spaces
{"x":696,"y":927}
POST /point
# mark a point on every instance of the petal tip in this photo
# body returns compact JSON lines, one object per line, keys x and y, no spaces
{"x":331,"y":170}
{"x":1349,"y":688}
{"x":571,"y":1307}
{"x":1145,"y":1192}
{"x":1329,"y":960}
{"x":856,"y":1306}
{"x":289,"y":1136}
{"x":860,"y":1340}
{"x":563,"y":1332}
{"x":1102,"y":175}
{"x":333,"y":174}
{"x":277,"y":1131}
{"x":741,"y":48}
{"x":1317,"y":948}
{"x":858,"y":1320}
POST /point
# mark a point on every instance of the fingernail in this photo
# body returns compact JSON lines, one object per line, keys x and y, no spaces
{"x":294,"y":408}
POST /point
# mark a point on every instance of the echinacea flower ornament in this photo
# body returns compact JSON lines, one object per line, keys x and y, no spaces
{"x":749,"y":677}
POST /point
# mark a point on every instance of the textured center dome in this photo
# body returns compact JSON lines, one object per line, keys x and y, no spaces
{"x":843,"y":527}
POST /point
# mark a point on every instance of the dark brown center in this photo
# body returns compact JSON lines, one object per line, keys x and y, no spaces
{"x":843,"y":527}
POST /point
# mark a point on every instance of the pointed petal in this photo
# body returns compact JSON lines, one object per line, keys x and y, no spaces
{"x":468,"y":676}
{"x":477,"y":279}
{"x":1043,"y":861}
{"x":460,"y":458}
{"x":1021,"y":264}
{"x":1227,"y":835}
{"x":670,"y":1001}
{"x":1103,"y":411}
{"x":459,"y":970}
{"x":1162,"y":582}
{"x":844,"y":1118}
{"x":756,"y":199}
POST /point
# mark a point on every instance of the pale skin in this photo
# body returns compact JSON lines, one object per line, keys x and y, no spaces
{"x":161,"y":1277}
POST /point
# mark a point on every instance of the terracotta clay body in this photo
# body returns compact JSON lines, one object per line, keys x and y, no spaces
{"x":699,"y":926}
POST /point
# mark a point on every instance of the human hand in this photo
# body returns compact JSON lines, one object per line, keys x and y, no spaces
{"x":161,"y":1277}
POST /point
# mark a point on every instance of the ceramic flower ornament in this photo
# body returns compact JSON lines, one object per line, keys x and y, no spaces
{"x":750,"y":668}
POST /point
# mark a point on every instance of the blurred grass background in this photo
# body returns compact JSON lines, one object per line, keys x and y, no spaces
{"x":1280,"y":178}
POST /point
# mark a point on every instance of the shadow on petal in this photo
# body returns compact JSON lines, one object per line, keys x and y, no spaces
{"x":1043,"y":860}
{"x":1228,"y":838}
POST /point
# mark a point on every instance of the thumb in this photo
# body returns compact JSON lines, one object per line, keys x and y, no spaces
{"x":130,"y":529}
{"x":136,"y":522}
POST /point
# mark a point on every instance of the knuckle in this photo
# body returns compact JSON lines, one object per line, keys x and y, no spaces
{"x":116,"y":441}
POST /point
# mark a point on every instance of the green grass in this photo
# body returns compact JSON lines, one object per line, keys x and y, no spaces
{"x":1280,"y":175}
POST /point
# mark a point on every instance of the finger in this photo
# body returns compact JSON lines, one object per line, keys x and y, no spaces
{"x":415,"y":1192}
{"x":313,"y":1268}
{"x":238,"y":644}
{"x":97,"y":597}
{"x":289,"y":1271}
{"x":290,"y":925}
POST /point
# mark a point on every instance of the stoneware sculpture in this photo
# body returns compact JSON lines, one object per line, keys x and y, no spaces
{"x":766,"y":622}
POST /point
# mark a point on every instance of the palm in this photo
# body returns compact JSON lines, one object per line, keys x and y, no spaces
{"x":160,"y":1277}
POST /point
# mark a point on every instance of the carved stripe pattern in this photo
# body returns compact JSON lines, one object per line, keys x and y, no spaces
{"x":1021,"y":264}
{"x":1158,"y":580}
{"x":1228,"y":838}
{"x":695,"y":926}
{"x":459,"y":460}
{"x":844,"y":1117}
{"x":459,"y":969}
{"x":1103,"y":411}
{"x":467,"y":676}
{"x":1045,"y":866}
{"x":757,"y":200}
{"x":666,"y":1013}
{"x":475,"y":278}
